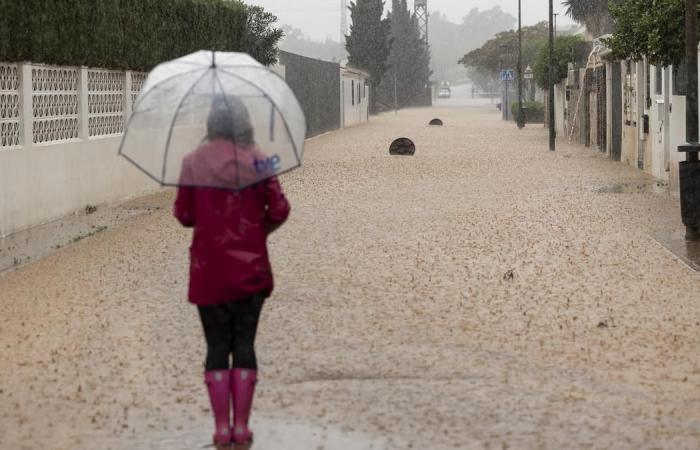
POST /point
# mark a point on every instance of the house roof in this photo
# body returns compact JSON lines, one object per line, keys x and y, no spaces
{"x":352,"y":70}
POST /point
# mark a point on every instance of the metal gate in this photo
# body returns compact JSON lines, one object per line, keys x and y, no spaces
{"x":616,"y":122}
{"x":602,"y":114}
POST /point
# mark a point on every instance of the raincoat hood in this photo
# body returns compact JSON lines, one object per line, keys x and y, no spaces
{"x":222,"y":163}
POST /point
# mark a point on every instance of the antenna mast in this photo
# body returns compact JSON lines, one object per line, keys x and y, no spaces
{"x":421,"y":12}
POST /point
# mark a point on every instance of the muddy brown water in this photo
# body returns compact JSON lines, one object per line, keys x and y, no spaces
{"x":391,"y":316}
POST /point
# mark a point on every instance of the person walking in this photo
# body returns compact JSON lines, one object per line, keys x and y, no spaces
{"x":230,"y":272}
{"x":221,"y":127}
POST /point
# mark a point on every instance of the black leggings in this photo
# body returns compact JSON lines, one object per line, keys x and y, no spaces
{"x":230,"y":329}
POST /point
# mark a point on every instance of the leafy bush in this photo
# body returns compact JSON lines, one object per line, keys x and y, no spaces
{"x":566,"y":49}
{"x":131,"y":34}
{"x":534,"y":112}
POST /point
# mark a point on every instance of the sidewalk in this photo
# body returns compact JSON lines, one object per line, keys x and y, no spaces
{"x":483,"y":294}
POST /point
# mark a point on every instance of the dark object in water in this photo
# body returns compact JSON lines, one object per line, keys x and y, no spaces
{"x":402,"y":146}
{"x":436,"y":122}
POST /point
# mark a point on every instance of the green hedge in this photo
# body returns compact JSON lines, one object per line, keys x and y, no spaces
{"x":534,"y":112}
{"x":131,"y":34}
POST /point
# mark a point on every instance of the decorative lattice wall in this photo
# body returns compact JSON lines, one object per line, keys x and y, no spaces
{"x":137,"y":80}
{"x":105,"y":102}
{"x":10,"y":109}
{"x":54,"y":104}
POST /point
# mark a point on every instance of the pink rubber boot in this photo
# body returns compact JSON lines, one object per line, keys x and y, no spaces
{"x":242,"y":389}
{"x":217,"y":382}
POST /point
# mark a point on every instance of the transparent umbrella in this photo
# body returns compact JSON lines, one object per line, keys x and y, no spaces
{"x":214,"y":119}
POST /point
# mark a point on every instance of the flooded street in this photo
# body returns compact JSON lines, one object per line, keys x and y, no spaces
{"x":484,"y":293}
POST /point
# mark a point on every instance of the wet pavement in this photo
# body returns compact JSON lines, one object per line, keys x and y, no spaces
{"x":480,"y":294}
{"x":640,"y":187}
{"x":270,"y":434}
{"x":29,"y":245}
{"x":687,"y":251}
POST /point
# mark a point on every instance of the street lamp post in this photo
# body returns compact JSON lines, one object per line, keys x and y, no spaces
{"x":552,"y":137}
{"x":521,"y":119}
{"x":504,"y":100}
{"x":689,"y":170}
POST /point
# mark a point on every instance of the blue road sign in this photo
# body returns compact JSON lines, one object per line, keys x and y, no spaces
{"x":507,"y":75}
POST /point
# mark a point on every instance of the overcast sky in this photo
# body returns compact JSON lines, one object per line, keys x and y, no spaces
{"x":319,"y":19}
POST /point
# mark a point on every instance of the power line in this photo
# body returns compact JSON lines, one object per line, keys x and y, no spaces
{"x":329,"y":9}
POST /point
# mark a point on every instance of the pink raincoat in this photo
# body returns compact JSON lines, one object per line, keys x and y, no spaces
{"x":228,"y":257}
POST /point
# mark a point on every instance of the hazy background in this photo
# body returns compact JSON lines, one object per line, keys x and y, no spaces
{"x":312,"y":28}
{"x":320,"y":19}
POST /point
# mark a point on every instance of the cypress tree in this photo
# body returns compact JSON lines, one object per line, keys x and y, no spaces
{"x":368,"y":43}
{"x":409,"y":60}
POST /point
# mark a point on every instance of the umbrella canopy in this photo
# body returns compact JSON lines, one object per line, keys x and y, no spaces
{"x":214,"y":119}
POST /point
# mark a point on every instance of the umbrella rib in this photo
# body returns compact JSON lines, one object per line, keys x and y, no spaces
{"x":284,"y":120}
{"x":165,"y":80}
{"x":155,"y":108}
{"x":240,"y":188}
{"x":172,"y":124}
{"x":235,"y":144}
{"x":149,"y":174}
{"x":273,"y":110}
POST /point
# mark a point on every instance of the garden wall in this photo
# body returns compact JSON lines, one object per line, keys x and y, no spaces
{"x":317,"y":86}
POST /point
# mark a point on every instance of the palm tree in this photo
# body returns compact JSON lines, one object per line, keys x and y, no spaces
{"x":592,"y":13}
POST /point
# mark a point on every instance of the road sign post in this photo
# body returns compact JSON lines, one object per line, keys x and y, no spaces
{"x":507,"y":75}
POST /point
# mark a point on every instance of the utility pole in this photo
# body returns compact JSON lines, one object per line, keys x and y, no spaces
{"x":422,"y":16}
{"x":689,"y":170}
{"x":396,"y":97}
{"x":343,"y":21}
{"x":420,"y":10}
{"x":505,"y":107}
{"x":552,"y":131}
{"x":521,"y":119}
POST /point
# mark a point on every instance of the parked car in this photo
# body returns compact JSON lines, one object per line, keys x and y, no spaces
{"x":444,"y":93}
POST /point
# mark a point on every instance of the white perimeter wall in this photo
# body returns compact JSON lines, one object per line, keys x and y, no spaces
{"x":60,"y":129}
{"x":41,"y":183}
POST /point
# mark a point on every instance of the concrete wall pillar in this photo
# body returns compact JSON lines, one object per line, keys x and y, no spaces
{"x":27,"y":111}
{"x":83,"y":107}
{"x":128,"y":102}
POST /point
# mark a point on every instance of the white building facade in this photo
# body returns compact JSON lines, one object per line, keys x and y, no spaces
{"x":354,"y":96}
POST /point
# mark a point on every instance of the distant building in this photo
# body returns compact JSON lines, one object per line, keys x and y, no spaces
{"x":354,"y":96}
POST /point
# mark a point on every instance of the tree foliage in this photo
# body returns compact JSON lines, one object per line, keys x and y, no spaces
{"x":409,"y":60}
{"x":566,"y":49}
{"x":595,"y":14}
{"x":449,"y":41}
{"x":368,"y":44}
{"x":295,"y":41}
{"x":131,"y":34}
{"x":651,"y":28}
{"x":501,"y":52}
